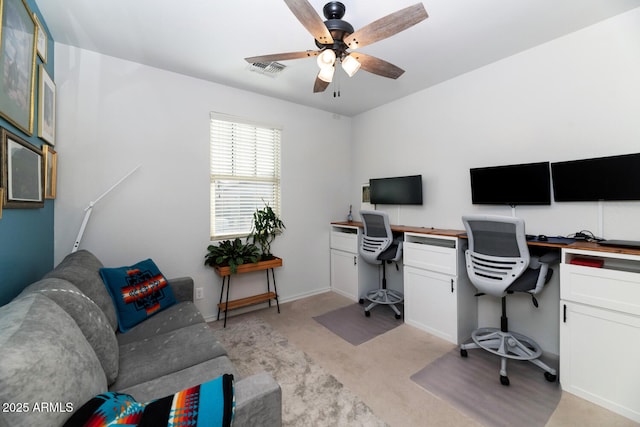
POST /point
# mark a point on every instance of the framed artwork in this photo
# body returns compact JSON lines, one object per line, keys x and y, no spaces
{"x":22,"y":172}
{"x":366,"y":193}
{"x":46,"y":107}
{"x":41,"y":39}
{"x":17,"y":64}
{"x":50,"y":171}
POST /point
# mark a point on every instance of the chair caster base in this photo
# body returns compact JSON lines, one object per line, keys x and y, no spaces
{"x":504,"y":380}
{"x":398,"y":316}
{"x":367,"y":313}
{"x":464,"y":353}
{"x":361,"y":301}
{"x":550,"y":377}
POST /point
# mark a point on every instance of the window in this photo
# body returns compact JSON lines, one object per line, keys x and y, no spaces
{"x":245,"y":173}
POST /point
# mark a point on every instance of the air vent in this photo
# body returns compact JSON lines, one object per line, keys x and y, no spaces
{"x":267,"y":68}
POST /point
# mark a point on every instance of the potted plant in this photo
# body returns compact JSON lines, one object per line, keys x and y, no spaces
{"x":266,"y":226}
{"x":232,"y":254}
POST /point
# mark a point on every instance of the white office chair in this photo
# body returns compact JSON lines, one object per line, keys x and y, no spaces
{"x":379,"y":247}
{"x":498,"y":263}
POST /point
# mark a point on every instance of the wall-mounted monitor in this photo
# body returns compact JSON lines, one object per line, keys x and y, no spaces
{"x":602,"y":178}
{"x":522,"y":184}
{"x":401,"y":190}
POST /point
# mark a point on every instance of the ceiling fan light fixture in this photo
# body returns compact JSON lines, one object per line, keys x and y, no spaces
{"x":350,"y":65}
{"x":326,"y":74}
{"x":326,"y":59}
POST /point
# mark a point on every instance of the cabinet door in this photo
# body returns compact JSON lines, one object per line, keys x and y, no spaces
{"x":598,"y":360}
{"x":344,"y":273}
{"x":430,"y":302}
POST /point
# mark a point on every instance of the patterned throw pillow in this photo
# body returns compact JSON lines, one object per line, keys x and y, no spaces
{"x":211,"y":404}
{"x":138,"y":292}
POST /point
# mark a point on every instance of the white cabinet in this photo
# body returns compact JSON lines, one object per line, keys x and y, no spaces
{"x":437,"y":299}
{"x":348,"y":277}
{"x":344,"y":273}
{"x":600,"y":329}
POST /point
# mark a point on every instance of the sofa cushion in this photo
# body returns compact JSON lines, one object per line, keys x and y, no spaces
{"x":208,"y":404}
{"x":178,"y":380}
{"x":44,"y":358}
{"x":173,"y":318}
{"x":88,"y":316}
{"x":82,"y":269}
{"x":138,"y":291}
{"x":163,"y":354}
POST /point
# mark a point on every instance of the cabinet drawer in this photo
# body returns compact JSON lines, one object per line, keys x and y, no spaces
{"x":430,"y":257}
{"x":601,"y":287}
{"x":347,"y":242}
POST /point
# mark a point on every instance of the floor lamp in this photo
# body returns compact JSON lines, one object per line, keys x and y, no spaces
{"x":89,"y":208}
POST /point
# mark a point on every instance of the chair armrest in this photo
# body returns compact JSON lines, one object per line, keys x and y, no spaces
{"x":182,"y":288}
{"x":258,"y":401}
{"x":550,"y":258}
{"x":544,"y":276}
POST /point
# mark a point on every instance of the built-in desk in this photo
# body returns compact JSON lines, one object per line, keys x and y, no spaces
{"x":438,"y":296}
{"x":597,"y":321}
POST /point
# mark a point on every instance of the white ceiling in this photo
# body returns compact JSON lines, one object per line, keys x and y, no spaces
{"x":208,"y":39}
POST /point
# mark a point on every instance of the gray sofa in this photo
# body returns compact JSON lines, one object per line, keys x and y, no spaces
{"x":59,"y":347}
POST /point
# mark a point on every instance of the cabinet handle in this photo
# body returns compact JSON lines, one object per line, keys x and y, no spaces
{"x":451,"y":285}
{"x":355,"y":260}
{"x":564,"y":313}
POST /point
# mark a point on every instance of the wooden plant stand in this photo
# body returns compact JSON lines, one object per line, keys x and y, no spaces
{"x":225,"y":273}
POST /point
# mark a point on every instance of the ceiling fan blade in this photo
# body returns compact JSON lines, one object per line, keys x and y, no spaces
{"x":387,"y":26}
{"x":320,"y":85}
{"x":377,"y":66}
{"x":282,"y":56}
{"x":310,"y":19}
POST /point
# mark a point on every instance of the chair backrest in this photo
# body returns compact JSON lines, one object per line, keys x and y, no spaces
{"x":377,"y":235}
{"x":498,"y":252}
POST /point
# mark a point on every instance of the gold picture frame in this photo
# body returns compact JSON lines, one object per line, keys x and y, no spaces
{"x":41,"y":39}
{"x":46,"y":107}
{"x":50,"y":172}
{"x":17,"y":64}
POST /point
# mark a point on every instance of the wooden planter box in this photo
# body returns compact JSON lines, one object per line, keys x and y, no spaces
{"x":247,"y":268}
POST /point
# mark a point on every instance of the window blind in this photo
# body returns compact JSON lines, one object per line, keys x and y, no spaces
{"x":245,"y":174}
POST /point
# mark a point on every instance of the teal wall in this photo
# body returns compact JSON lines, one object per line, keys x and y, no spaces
{"x":26,"y":235}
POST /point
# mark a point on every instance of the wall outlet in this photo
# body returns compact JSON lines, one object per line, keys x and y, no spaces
{"x":199,"y":293}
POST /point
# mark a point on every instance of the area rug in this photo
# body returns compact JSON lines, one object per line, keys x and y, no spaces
{"x":310,"y":396}
{"x":350,"y":323}
{"x":472,"y":385}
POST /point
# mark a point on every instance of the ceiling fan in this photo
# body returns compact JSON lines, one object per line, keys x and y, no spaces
{"x":334,"y":37}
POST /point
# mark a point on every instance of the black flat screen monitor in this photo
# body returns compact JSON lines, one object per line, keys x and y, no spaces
{"x":401,"y":190}
{"x":602,"y":178}
{"x":524,"y":184}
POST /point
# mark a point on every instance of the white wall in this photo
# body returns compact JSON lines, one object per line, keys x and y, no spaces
{"x":575,"y":97}
{"x":114,"y":115}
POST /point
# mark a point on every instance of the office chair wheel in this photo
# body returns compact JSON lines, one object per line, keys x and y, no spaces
{"x":504,"y":380}
{"x":463,"y":353}
{"x":398,"y":316}
{"x":367,"y":313}
{"x":361,"y":301}
{"x":550,"y":377}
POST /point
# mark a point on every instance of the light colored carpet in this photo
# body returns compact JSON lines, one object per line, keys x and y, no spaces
{"x":472,"y":384}
{"x":350,"y":323}
{"x":311,"y":396}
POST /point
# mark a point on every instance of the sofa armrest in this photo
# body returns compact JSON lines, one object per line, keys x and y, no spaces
{"x":182,"y":288}
{"x":258,"y":401}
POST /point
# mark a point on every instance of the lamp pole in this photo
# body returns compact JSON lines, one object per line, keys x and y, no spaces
{"x":89,"y":209}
